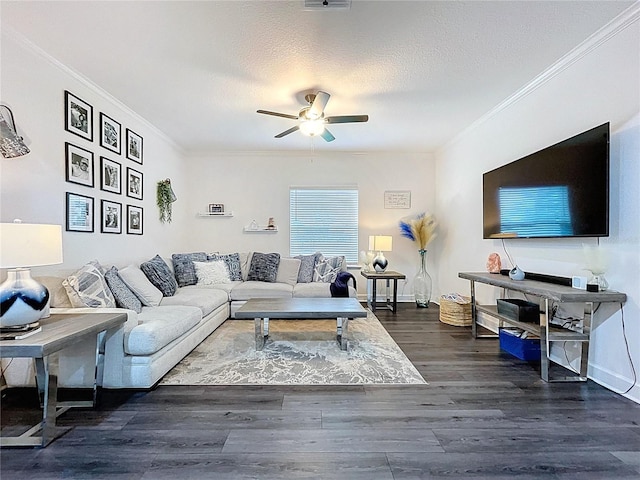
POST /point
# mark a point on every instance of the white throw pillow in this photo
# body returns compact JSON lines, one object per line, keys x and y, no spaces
{"x":288,"y":271}
{"x":212,"y":273}
{"x":139,"y":284}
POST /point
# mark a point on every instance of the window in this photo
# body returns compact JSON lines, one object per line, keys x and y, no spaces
{"x":324,"y":219}
{"x":547,"y":212}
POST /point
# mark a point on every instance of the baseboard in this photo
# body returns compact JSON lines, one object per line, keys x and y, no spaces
{"x":615,"y":382}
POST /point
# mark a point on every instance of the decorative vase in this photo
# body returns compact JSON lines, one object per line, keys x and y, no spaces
{"x":422,"y":282}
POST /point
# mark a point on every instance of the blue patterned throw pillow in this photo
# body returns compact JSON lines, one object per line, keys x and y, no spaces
{"x":159,"y":274}
{"x":233,"y":264}
{"x":264,"y":267}
{"x":307,"y":264}
{"x":184,"y":268}
{"x":125,"y":298}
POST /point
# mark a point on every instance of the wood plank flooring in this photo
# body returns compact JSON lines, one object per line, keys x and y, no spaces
{"x":484,"y":414}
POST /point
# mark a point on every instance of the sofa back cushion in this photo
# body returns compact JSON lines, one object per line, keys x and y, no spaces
{"x":139,"y":284}
{"x":159,"y":273}
{"x":123,"y":295}
{"x":264,"y":267}
{"x":288,"y":271}
{"x":307,"y":265}
{"x":185,"y":271}
{"x":88,"y":288}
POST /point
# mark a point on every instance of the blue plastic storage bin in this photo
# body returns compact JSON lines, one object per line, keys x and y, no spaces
{"x":522,"y":348}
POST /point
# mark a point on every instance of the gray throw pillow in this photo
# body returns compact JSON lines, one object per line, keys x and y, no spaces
{"x":125,"y":298}
{"x":307,"y":265}
{"x":264,"y":267}
{"x":233,"y":264}
{"x":159,"y":274}
{"x":184,"y":269}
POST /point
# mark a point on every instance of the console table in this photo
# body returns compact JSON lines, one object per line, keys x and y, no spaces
{"x":548,"y":333}
{"x":389,"y":276}
{"x":59,"y":331}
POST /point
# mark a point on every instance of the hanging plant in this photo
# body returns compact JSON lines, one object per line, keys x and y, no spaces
{"x":165,"y":197}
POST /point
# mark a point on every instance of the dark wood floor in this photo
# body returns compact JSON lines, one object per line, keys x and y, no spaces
{"x":484,"y":414}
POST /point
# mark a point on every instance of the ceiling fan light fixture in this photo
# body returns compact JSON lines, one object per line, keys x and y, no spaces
{"x":312,"y":127}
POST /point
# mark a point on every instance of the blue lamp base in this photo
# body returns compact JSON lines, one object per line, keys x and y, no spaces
{"x":22,"y":300}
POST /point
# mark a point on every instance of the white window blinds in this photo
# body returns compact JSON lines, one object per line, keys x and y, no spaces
{"x":324,"y":219}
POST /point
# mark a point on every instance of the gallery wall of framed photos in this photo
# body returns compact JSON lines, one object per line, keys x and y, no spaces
{"x":105,"y":174}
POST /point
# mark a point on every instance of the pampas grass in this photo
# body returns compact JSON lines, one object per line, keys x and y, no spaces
{"x":419,"y":228}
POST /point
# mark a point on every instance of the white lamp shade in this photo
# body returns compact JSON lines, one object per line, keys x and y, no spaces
{"x":30,"y":245}
{"x":381,"y":243}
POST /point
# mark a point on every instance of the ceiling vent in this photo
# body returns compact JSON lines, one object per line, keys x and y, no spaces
{"x":327,"y":4}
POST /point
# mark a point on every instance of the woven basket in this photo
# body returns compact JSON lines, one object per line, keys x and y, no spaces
{"x":453,"y":313}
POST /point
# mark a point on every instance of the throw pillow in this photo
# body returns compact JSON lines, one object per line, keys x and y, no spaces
{"x":264,"y":267}
{"x":184,"y":269}
{"x":139,"y":284}
{"x":307,"y":264}
{"x":123,"y":295}
{"x":88,"y":288}
{"x":327,"y":269}
{"x":158,"y":273}
{"x":288,"y":271}
{"x":211,"y":273}
{"x":233,"y":264}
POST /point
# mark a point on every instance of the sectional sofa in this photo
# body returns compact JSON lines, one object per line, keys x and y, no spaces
{"x":172,"y":305}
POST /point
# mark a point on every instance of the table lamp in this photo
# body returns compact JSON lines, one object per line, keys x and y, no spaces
{"x":24,"y":245}
{"x":381,"y":243}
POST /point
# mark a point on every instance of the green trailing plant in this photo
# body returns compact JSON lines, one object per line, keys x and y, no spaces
{"x":165,"y":198}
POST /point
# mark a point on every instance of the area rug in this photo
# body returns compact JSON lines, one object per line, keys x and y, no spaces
{"x":297,"y":352}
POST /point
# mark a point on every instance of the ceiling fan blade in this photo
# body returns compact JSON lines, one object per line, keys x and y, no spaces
{"x":317,"y":107}
{"x":276,"y":114}
{"x":347,"y":119}
{"x":326,"y":134}
{"x":287,"y":132}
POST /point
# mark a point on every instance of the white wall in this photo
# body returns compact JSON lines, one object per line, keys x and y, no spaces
{"x":594,"y":86}
{"x":33,"y":187}
{"x":256,"y":186}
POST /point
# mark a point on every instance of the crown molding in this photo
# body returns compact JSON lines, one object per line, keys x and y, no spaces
{"x":625,"y":19}
{"x":13,"y":34}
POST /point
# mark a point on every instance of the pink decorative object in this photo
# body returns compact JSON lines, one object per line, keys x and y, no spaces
{"x":493,"y":263}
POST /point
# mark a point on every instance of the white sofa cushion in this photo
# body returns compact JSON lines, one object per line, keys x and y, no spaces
{"x":206,"y":299}
{"x":288,"y":271}
{"x":138,"y":282}
{"x":254,"y":289}
{"x":159,"y":326}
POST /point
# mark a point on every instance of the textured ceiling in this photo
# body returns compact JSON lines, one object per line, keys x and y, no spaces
{"x":198,"y":70}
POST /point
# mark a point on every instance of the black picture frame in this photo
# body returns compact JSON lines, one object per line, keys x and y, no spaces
{"x":110,"y":216}
{"x":134,"y":146}
{"x":135,"y":220}
{"x":134,"y":183}
{"x":79,"y":165}
{"x":78,"y":116}
{"x":110,"y":176}
{"x":79,"y":213}
{"x":110,"y":133}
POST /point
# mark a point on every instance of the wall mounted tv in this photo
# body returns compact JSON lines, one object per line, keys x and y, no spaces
{"x":560,"y":191}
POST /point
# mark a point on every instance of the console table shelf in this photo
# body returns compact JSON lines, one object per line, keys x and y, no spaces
{"x":547,"y":332}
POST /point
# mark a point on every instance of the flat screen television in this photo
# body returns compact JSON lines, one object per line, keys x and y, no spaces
{"x":559,"y":191}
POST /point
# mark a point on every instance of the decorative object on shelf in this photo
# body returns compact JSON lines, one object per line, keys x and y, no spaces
{"x":23,"y":301}
{"x":381,"y":243}
{"x":367,"y":259}
{"x":11,"y":144}
{"x":216,"y":208}
{"x":421,"y":229}
{"x":271,"y":224}
{"x":253,"y":225}
{"x":596,"y":260}
{"x":516,"y":273}
{"x":494,"y":264}
{"x":164,"y":198}
{"x":78,"y":116}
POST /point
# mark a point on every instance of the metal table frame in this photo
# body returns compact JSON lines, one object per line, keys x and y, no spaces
{"x":391,"y":295}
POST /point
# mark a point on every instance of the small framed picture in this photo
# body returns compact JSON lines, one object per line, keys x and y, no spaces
{"x":134,"y":183}
{"x":110,"y":176}
{"x":110,"y":133}
{"x":78,"y":116}
{"x":79,"y":213}
{"x":134,"y":220}
{"x":79,"y":165}
{"x":216,"y":208}
{"x":111,"y":217}
{"x":134,"y":146}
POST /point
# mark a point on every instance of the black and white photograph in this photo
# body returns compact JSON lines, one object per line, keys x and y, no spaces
{"x":216,"y":208}
{"x":110,"y":133}
{"x":134,"y":146}
{"x":79,"y":210}
{"x":110,"y":176}
{"x":111,"y":221}
{"x":134,"y":220}
{"x":134,"y":183}
{"x":79,"y":165}
{"x":78,"y":116}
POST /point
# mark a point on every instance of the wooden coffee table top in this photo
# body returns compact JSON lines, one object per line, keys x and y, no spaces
{"x":301,"y":308}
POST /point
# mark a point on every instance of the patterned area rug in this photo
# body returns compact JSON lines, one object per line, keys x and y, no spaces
{"x":297,"y":352}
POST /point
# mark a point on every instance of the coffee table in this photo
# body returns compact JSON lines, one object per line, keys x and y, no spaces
{"x":262,"y":309}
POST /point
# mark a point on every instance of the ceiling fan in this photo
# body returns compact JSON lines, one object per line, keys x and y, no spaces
{"x":312,"y":119}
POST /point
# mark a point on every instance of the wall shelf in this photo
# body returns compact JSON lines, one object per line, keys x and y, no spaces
{"x":260,"y":229}
{"x":221,"y":214}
